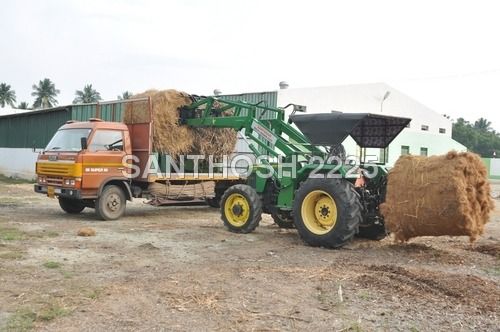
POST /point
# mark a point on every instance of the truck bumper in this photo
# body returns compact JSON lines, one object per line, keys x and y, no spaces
{"x":59,"y":192}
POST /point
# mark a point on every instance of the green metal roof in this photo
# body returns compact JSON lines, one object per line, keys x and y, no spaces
{"x":36,"y":128}
{"x":267,"y":98}
{"x":31,"y":129}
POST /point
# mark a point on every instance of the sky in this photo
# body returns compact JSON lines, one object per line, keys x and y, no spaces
{"x":445,"y":54}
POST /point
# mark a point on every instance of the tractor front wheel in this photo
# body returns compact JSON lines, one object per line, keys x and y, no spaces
{"x":326,"y":212}
{"x":241,"y":208}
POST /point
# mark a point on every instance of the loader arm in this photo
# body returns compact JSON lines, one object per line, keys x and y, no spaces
{"x":266,"y":126}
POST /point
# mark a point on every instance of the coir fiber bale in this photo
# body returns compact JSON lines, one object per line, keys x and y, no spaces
{"x":169,"y":137}
{"x":438,"y":195}
{"x":86,"y":231}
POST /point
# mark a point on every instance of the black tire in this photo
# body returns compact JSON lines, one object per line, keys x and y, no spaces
{"x":241,"y":208}
{"x":71,"y":206}
{"x":110,"y":205}
{"x":283,"y":221}
{"x":213,"y":202}
{"x":372,"y":232}
{"x":345,"y":221}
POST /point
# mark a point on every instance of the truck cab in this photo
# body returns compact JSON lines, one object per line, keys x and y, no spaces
{"x":83,"y":166}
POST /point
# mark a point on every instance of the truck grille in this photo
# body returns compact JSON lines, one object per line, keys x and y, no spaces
{"x":53,"y":181}
{"x":60,"y":169}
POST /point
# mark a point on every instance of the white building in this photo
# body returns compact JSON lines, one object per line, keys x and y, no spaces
{"x":429,"y":132}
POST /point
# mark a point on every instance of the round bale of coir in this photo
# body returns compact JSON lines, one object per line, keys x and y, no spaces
{"x":437,"y":195}
{"x":172,"y":138}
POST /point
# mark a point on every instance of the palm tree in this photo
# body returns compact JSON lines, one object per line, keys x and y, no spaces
{"x":23,"y":105}
{"x":7,"y":96}
{"x":482,"y":124}
{"x":125,"y":95}
{"x":87,"y":95}
{"x":45,"y":94}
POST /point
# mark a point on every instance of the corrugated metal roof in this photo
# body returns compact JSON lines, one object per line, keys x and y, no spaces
{"x":267,"y":98}
{"x":31,"y":129}
{"x":20,"y":113}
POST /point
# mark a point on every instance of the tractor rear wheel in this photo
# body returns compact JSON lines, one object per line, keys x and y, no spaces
{"x":326,"y":212}
{"x":241,"y":208}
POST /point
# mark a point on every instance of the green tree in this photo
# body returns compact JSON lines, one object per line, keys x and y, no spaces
{"x":7,"y":95}
{"x":482,"y":124}
{"x":23,"y":105}
{"x":45,"y":94}
{"x":87,"y":95}
{"x":477,"y":137}
{"x":125,"y":95}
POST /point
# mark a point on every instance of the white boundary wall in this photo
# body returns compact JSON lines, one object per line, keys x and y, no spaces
{"x":17,"y":162}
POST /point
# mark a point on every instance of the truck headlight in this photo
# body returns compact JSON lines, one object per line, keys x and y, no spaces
{"x":69,"y":182}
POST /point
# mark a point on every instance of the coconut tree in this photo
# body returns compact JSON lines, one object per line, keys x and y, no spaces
{"x":87,"y":95}
{"x":45,"y":94}
{"x":7,"y":96}
{"x":482,"y":124}
{"x":125,"y":95}
{"x":23,"y":105}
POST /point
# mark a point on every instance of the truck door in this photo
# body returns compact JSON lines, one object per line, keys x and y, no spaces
{"x":103,"y":158}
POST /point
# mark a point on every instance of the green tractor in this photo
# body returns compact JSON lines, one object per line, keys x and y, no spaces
{"x":303,"y":178}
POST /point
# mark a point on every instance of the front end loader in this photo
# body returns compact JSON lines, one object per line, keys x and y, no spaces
{"x":306,"y":181}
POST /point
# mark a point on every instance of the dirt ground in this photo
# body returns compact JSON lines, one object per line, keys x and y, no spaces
{"x":179,"y":269}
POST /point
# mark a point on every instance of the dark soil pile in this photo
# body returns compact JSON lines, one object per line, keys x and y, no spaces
{"x":169,"y":137}
{"x":438,"y":195}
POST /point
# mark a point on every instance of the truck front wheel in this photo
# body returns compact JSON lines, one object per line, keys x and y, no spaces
{"x":110,"y":205}
{"x":71,"y":206}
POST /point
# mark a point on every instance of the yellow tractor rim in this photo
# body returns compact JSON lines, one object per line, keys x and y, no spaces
{"x":237,"y":209}
{"x":319,"y":212}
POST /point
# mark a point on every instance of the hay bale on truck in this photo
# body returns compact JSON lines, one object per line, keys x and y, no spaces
{"x":173,"y":139}
{"x":437,"y":195}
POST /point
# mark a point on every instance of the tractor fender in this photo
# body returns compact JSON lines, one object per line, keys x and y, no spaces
{"x":124,"y":184}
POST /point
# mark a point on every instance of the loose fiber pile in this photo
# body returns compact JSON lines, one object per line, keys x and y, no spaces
{"x":169,"y":137}
{"x":438,"y":195}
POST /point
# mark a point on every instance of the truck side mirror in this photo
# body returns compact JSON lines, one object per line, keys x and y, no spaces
{"x":83,"y":142}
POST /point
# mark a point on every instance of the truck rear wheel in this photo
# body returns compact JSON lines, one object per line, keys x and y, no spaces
{"x":326,"y":212}
{"x":71,"y":206}
{"x":241,"y":208}
{"x":110,"y":205}
{"x":213,"y":202}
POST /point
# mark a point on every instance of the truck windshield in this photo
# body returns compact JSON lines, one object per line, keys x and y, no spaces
{"x":68,"y":139}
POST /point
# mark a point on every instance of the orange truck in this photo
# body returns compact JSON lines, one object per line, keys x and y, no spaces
{"x":89,"y":164}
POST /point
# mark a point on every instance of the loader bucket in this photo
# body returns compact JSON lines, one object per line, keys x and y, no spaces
{"x":368,"y":130}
